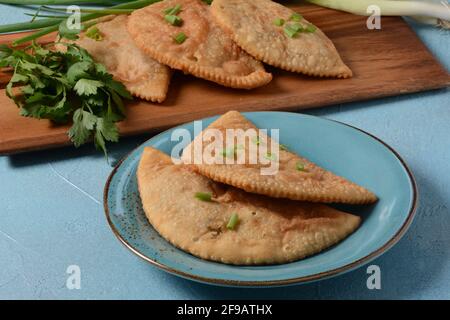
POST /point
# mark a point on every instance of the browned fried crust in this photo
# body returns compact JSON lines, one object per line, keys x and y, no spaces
{"x":207,"y":51}
{"x":251,"y":26}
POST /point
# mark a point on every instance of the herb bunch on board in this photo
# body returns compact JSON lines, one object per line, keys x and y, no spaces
{"x":65,"y":86}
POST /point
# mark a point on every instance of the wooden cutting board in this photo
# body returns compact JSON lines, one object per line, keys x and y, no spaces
{"x":385,"y":62}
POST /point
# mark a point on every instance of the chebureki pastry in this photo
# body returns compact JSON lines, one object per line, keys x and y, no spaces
{"x":143,"y":76}
{"x":229,"y":225}
{"x":294,"y":177}
{"x":278,"y":36}
{"x":183,"y":35}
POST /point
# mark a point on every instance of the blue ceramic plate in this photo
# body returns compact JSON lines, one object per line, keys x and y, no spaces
{"x":345,"y":150}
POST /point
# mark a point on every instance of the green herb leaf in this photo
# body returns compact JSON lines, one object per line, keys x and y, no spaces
{"x":78,"y":71}
{"x":108,"y":129}
{"x":203,"y":196}
{"x":278,"y":22}
{"x":79,"y":133}
{"x":233,"y":222}
{"x":64,"y":86}
{"x":87,"y":87}
{"x":180,"y":38}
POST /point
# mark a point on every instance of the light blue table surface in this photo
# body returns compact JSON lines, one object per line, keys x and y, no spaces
{"x":51,"y":213}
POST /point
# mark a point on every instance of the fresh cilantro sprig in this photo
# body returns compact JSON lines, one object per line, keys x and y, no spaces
{"x":65,"y":86}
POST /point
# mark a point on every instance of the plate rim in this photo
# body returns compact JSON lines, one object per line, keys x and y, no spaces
{"x":283,"y":282}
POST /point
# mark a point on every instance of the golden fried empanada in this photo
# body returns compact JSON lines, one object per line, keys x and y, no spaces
{"x":264,"y":231}
{"x":196,"y":45}
{"x":294,"y":177}
{"x":280,"y":37}
{"x":143,"y":76}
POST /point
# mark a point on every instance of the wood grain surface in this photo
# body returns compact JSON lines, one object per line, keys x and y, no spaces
{"x":385,"y":62}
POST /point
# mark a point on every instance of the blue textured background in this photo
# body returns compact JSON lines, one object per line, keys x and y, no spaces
{"x":51,"y":213}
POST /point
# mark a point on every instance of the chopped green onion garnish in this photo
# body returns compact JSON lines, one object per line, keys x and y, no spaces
{"x":278,"y":22}
{"x":227,"y":153}
{"x":296,"y":17}
{"x":297,"y":27}
{"x":233,"y":222}
{"x":173,"y":20}
{"x":203,"y":196}
{"x":300,"y":166}
{"x":256,"y":140}
{"x":231,"y":152}
{"x":290,"y":32}
{"x":174,"y":10}
{"x":94,"y":33}
{"x":270,"y":156}
{"x":283,"y":147}
{"x":180,"y":38}
{"x":310,"y":28}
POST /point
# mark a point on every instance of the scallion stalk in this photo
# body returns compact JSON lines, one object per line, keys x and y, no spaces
{"x":82,"y":10}
{"x":440,"y":12}
{"x":36,"y":24}
{"x":86,"y":17}
{"x":59,"y":2}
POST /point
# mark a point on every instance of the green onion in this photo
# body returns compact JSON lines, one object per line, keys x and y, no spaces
{"x":310,"y":28}
{"x":42,"y":32}
{"x":256,"y":140}
{"x":203,"y":196}
{"x":180,"y":38}
{"x":283,"y":147}
{"x":296,"y":17}
{"x":278,"y":22}
{"x":290,"y":32}
{"x":57,"y":2}
{"x":82,"y":10}
{"x":52,"y":25}
{"x":36,"y":24}
{"x":94,"y":33}
{"x":173,"y":10}
{"x":173,"y":20}
{"x":233,"y":222}
{"x":300,"y":166}
{"x":228,"y":152}
{"x":425,"y":11}
{"x":60,"y":17}
{"x":270,"y":156}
